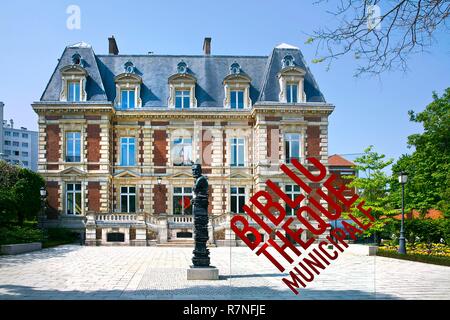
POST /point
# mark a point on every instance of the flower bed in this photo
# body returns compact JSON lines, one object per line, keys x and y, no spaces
{"x":435,"y":253}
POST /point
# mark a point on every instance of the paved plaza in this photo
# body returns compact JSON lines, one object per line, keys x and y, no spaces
{"x":77,"y":272}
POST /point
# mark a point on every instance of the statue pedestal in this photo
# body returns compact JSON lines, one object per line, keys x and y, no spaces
{"x":203,"y":273}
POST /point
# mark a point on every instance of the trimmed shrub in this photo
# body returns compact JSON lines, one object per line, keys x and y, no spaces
{"x":17,"y":234}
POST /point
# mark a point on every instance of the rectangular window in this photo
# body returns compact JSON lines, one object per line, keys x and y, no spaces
{"x":25,"y":135}
{"x":16,"y":162}
{"x":127,"y":147}
{"x":74,"y":91}
{"x":182,"y":151}
{"x":237,"y":99}
{"x":7,"y":143}
{"x":8,"y":152}
{"x":128,"y":199}
{"x":73,"y":198}
{"x":15,"y":134}
{"x":73,"y":146}
{"x":237,"y":152}
{"x":15,"y":143}
{"x":7,"y":133}
{"x":16,"y":153}
{"x":182,"y":198}
{"x":127,"y":99}
{"x":292,"y":146}
{"x":24,"y":154}
{"x":25,"y":144}
{"x":182,"y":99}
{"x":292,"y":191}
{"x":291,"y":93}
{"x":237,"y":199}
{"x":25,"y":163}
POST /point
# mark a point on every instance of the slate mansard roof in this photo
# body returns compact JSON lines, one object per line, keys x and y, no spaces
{"x":155,"y":70}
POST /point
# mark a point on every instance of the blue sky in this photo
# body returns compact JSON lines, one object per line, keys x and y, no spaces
{"x":368,"y":110}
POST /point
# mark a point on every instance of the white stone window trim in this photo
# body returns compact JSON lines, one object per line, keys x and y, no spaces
{"x":245,"y":143}
{"x":128,"y":194}
{"x":66,"y":198}
{"x":128,"y":81}
{"x":230,"y":86}
{"x":70,"y":74}
{"x":237,"y":195}
{"x":119,"y":160}
{"x":182,"y":86}
{"x":292,"y":75}
{"x":302,"y":134}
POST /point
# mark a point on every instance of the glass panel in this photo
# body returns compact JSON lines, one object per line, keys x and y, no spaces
{"x":132,"y":204}
{"x":241,"y":204}
{"x":177,"y":190}
{"x":131,"y":99}
{"x":78,"y":202}
{"x":124,"y":99}
{"x":123,"y":190}
{"x":178,"y":102}
{"x":78,"y":186}
{"x":187,"y":190}
{"x":124,"y":154}
{"x":233,"y":190}
{"x":123,"y":203}
{"x":240,"y":99}
{"x":241,"y":153}
{"x":69,"y":203}
{"x":131,"y":156}
{"x":233,"y":99}
{"x":70,"y":186}
{"x":186,"y":102}
{"x":233,"y":153}
{"x":295,"y":151}
{"x":233,"y":204}
{"x":177,"y":204}
{"x":132,"y":189}
{"x":187,"y":205}
{"x":294,"y":93}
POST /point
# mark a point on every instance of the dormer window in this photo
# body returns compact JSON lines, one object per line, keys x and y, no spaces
{"x":128,"y":88}
{"x":291,"y":81}
{"x":182,"y":88}
{"x":237,"y":88}
{"x":182,"y":99}
{"x":128,"y":99}
{"x":237,"y":99}
{"x":291,"y":92}
{"x":73,"y":91}
{"x":73,"y":81}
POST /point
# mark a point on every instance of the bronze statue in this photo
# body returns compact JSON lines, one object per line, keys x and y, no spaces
{"x":200,"y":211}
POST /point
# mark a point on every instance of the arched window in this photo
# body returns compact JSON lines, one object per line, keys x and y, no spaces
{"x":288,"y":61}
{"x":182,"y":67}
{"x":235,"y":68}
{"x":129,"y":67}
{"x":76,"y":59}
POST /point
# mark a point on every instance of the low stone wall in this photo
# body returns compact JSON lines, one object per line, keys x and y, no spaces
{"x":20,"y":248}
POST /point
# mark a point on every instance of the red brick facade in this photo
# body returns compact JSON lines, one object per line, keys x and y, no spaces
{"x":52,"y":199}
{"x":160,"y":150}
{"x":52,"y":145}
{"x":313,"y":142}
{"x":93,"y":196}
{"x":93,"y":146}
{"x":159,"y":199}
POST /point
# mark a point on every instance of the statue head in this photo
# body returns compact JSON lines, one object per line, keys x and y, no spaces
{"x":196,"y":170}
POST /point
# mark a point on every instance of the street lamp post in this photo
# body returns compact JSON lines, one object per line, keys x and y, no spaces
{"x":402,"y":178}
{"x":43,"y":194}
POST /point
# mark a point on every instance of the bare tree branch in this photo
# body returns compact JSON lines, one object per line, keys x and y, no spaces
{"x":384,"y":42}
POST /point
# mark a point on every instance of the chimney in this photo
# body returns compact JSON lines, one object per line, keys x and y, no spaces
{"x":207,"y":46}
{"x":113,"y":49}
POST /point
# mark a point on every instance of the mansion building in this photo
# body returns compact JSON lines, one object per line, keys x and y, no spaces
{"x":118,"y":135}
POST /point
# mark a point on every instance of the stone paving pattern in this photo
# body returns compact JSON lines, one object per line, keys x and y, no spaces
{"x":77,"y":272}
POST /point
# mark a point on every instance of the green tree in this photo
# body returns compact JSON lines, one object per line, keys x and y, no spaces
{"x":428,"y":167}
{"x":19,"y":193}
{"x":372,"y":186}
